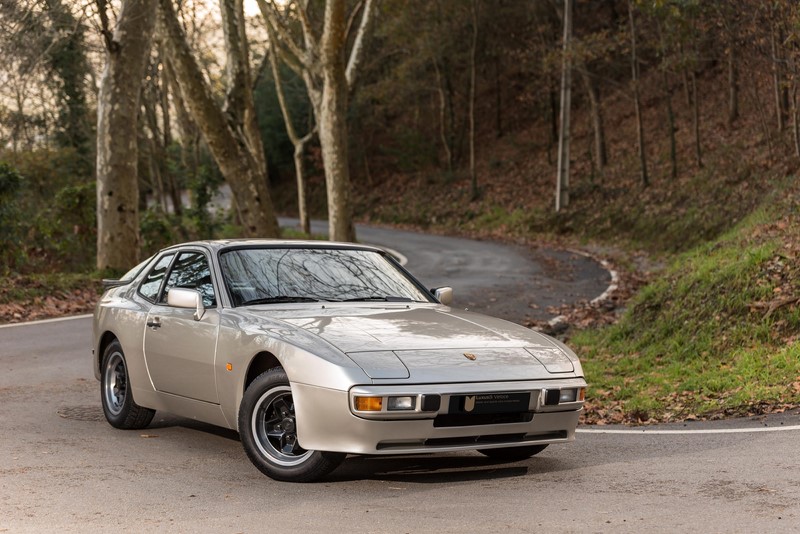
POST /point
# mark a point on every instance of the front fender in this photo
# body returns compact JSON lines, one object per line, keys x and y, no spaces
{"x":305,"y":358}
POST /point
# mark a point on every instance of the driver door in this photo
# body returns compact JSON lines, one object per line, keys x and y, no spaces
{"x":180,"y":351}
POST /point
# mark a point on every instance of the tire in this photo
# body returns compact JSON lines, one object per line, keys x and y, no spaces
{"x":268,"y":432}
{"x":115,"y":392}
{"x":513,"y":454}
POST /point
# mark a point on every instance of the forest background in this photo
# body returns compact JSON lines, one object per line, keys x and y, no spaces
{"x":683,"y":133}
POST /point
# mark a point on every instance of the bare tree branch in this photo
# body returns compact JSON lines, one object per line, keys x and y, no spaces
{"x":270,"y":14}
{"x":105,"y":31}
{"x":357,"y":52}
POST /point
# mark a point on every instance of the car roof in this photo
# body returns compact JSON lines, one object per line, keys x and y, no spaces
{"x":220,"y":244}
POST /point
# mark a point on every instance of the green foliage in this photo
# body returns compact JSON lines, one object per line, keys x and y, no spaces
{"x":278,"y":147}
{"x":66,"y":58}
{"x":158,"y":230}
{"x":11,"y":251}
{"x":48,"y":212}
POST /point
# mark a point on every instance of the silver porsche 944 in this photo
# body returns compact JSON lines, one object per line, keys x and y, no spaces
{"x":316,"y":350}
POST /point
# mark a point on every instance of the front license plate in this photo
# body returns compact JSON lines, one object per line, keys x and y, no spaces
{"x":490,"y":403}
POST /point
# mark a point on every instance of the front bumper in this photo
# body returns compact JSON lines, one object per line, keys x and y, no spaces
{"x":326,"y":422}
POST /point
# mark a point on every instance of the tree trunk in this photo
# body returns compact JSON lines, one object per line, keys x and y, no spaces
{"x":443,"y":130}
{"x":698,"y":151}
{"x":333,"y":123}
{"x":553,"y":136}
{"x":117,"y":115}
{"x":472,"y":173}
{"x":498,"y":97}
{"x":174,"y":190}
{"x":777,"y":77}
{"x":684,"y":77}
{"x":234,"y":152}
{"x":673,"y":153}
{"x":300,"y":173}
{"x":733,"y":84}
{"x":158,"y":156}
{"x":325,"y":59}
{"x":562,"y":172}
{"x":795,"y":125}
{"x":297,"y":143}
{"x":601,"y":155}
{"x":187,"y":129}
{"x":761,"y":113}
{"x":636,"y":99}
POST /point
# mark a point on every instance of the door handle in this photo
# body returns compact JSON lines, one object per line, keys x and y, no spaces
{"x":154,"y":323}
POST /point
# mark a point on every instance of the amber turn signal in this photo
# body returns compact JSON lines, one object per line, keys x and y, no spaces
{"x":582,"y":394}
{"x":368,"y":404}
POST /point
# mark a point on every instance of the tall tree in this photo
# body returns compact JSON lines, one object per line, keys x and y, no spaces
{"x":562,"y":171}
{"x":319,"y":59}
{"x":231,"y":134}
{"x":728,"y":14}
{"x":66,"y":58}
{"x":299,"y":143}
{"x":776,"y":41}
{"x":636,"y":98}
{"x":473,"y":49}
{"x":664,"y":66}
{"x":127,"y":48}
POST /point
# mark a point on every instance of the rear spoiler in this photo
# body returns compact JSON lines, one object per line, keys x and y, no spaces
{"x":109,"y":283}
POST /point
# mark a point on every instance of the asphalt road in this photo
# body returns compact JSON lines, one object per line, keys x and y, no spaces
{"x":62,"y":468}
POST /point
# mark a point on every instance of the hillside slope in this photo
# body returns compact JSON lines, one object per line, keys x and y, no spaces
{"x":716,"y":334}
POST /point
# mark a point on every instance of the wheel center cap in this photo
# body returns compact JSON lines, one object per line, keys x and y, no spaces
{"x":288,"y":425}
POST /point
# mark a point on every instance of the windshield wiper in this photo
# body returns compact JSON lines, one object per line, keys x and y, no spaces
{"x":387,"y":298}
{"x":278,"y":299}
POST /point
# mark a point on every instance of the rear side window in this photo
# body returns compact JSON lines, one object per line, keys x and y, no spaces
{"x":152,"y":282}
{"x":191,"y":272}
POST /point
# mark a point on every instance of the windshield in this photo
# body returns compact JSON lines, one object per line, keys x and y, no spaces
{"x":279,"y":275}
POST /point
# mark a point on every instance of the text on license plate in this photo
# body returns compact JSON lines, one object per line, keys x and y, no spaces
{"x":490,"y":403}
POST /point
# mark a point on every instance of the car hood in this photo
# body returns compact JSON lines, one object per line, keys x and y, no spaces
{"x":431,"y":342}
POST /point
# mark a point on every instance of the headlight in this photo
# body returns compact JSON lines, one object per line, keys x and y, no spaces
{"x":567,"y":395}
{"x":401,"y":403}
{"x":389,"y":403}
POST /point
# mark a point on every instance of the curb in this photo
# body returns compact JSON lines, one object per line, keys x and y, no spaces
{"x":598,"y":300}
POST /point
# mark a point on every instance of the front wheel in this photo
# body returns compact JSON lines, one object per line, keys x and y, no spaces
{"x":513,"y":454}
{"x":115,"y":392}
{"x":268,"y":429}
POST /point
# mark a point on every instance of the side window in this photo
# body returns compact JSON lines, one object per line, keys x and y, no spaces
{"x":191,"y":272}
{"x":152,"y":282}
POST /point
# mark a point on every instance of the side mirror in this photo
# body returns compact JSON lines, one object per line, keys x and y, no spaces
{"x":187,"y":298}
{"x":443,"y":295}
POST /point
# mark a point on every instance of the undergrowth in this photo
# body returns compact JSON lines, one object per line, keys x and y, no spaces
{"x":714,"y":335}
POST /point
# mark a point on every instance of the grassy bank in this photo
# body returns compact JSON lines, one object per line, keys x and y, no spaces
{"x":716,"y":334}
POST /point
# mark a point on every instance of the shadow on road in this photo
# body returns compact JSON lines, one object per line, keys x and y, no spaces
{"x":429,"y":469}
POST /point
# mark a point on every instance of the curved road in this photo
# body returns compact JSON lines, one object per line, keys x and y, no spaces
{"x":512,"y":282}
{"x":63,"y":468}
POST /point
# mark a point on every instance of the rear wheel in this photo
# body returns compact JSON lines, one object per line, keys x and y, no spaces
{"x":268,"y":429}
{"x":115,"y":392}
{"x":513,"y":454}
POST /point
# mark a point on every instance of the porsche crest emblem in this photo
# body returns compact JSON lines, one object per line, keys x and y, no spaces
{"x":469,"y":403}
{"x":470,"y":356}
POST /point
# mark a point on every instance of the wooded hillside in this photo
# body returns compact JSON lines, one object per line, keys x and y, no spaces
{"x":684,"y":115}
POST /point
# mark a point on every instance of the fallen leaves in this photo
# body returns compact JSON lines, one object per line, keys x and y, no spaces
{"x":55,"y":303}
